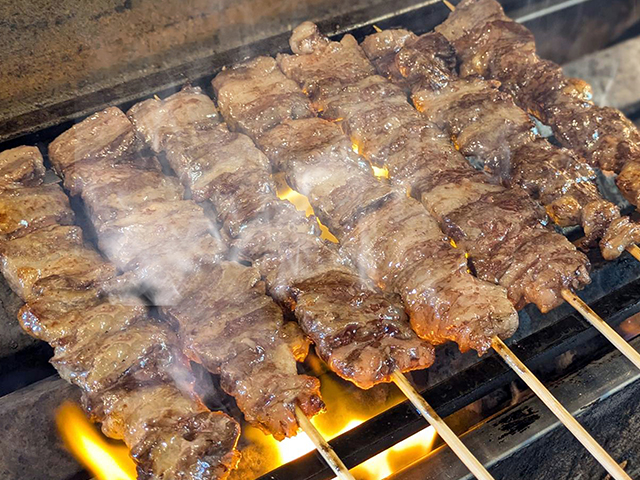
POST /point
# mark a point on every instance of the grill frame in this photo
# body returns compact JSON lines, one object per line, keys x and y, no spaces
{"x":565,"y":332}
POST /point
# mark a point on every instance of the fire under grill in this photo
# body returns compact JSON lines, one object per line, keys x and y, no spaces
{"x":501,"y":422}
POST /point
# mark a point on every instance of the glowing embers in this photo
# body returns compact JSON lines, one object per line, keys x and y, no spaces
{"x":285,"y":192}
{"x":380,"y":172}
{"x":105,"y":459}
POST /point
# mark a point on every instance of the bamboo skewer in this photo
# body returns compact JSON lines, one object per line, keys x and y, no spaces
{"x":635,"y":251}
{"x":332,"y":459}
{"x":441,"y":427}
{"x":559,"y":411}
{"x":603,"y":327}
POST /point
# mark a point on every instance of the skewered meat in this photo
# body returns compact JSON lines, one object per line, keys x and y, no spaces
{"x":170,"y":248}
{"x":497,"y":227}
{"x":21,"y":165}
{"x":486,"y":124}
{"x":491,"y":45}
{"x":124,"y":361}
{"x":359,"y":332}
{"x":386,"y":235}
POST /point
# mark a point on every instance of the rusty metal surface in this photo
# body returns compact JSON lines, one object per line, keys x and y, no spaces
{"x":61,"y":62}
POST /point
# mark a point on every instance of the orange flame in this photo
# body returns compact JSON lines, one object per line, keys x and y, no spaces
{"x":345,"y":413}
{"x":285,"y":192}
{"x":105,"y":460}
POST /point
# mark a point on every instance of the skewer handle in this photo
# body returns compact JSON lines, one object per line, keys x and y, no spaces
{"x":635,"y":251}
{"x":441,"y":427}
{"x":559,"y":411}
{"x":332,"y":459}
{"x":603,"y":327}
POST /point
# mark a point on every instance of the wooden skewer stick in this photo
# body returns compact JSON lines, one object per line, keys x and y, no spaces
{"x":339,"y":468}
{"x":449,"y":5}
{"x":559,"y":411}
{"x":441,"y":427}
{"x":603,"y":327}
{"x":635,"y":251}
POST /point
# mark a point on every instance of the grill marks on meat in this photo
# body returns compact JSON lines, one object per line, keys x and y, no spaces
{"x":495,"y":226}
{"x":388,"y":236}
{"x":485,"y":123}
{"x":168,"y":247}
{"x":358,"y":331}
{"x":491,"y":45}
{"x":125,"y":362}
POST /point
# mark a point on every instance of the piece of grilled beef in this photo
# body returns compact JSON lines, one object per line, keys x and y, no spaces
{"x":361,"y":334}
{"x":386,"y":235}
{"x":133,"y":376}
{"x":168,"y":247}
{"x":500,"y":229}
{"x":485,"y":124}
{"x":491,"y":45}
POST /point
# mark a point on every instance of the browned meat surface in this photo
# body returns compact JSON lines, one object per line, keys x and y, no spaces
{"x":485,"y":123}
{"x":23,"y":210}
{"x":358,"y":331}
{"x":109,"y":136}
{"x":22,"y":166}
{"x":169,"y":247}
{"x":175,"y":437}
{"x":253,"y":107}
{"x":349,"y":62}
{"x":490,"y":44}
{"x":492,"y":224}
{"x":124,"y":362}
{"x":53,"y":250}
{"x":386,"y":235}
{"x":622,"y":233}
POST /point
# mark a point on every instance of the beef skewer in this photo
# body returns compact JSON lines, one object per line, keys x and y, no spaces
{"x":343,"y":86}
{"x":362,"y":334}
{"x":480,"y":118}
{"x":167,"y":247}
{"x":500,"y":229}
{"x":228,"y":170}
{"x":486,"y":124}
{"x":493,"y":46}
{"x":136,"y":397}
{"x":320,"y":163}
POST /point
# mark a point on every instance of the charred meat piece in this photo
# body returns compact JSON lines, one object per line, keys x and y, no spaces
{"x":386,"y":235}
{"x":489,"y":222}
{"x":110,"y":135}
{"x":484,"y":123}
{"x":53,"y":250}
{"x":621,"y":233}
{"x":124,"y":362}
{"x":23,"y":210}
{"x":169,"y":246}
{"x":359,"y":332}
{"x":493,"y":46}
{"x":175,"y":436}
{"x":21,"y":166}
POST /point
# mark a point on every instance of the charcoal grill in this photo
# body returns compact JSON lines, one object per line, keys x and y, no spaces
{"x":517,"y":437}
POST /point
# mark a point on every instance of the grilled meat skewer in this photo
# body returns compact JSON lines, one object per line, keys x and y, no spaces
{"x":491,"y":45}
{"x":486,"y":124}
{"x":500,"y":229}
{"x":388,"y":236}
{"x":361,"y":334}
{"x":124,"y":361}
{"x":168,"y":247}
